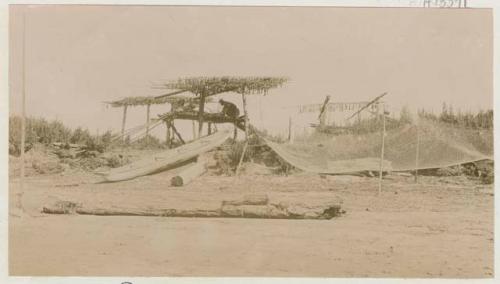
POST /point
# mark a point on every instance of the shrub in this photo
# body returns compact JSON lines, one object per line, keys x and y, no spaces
{"x":39,"y":130}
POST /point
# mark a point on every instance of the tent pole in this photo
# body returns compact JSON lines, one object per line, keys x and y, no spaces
{"x":147,"y":122}
{"x":417,"y":154}
{"x":124,"y":119}
{"x":382,"y":150}
{"x":193,"y":124}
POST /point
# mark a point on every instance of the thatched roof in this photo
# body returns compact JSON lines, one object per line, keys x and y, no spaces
{"x":209,"y":86}
{"x":151,"y":100}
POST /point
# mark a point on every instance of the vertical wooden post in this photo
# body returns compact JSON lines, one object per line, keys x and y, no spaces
{"x":23,"y":109}
{"x":147,"y":119}
{"x":193,"y":124}
{"x":19,"y":202}
{"x":378,"y":112}
{"x":124,"y":119}
{"x":201,"y":110}
{"x":244,"y":98}
{"x":167,"y":138}
{"x":382,"y":150}
{"x":417,"y":153}
{"x":147,"y":122}
{"x":246,"y":132}
{"x":209,"y":130}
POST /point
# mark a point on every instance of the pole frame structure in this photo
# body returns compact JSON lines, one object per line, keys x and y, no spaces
{"x":382,"y":149}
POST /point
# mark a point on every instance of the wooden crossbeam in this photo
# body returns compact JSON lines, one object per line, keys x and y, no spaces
{"x":369,"y":104}
{"x":208,"y":117}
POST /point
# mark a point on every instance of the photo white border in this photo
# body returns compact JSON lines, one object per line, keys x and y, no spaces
{"x":4,"y":106}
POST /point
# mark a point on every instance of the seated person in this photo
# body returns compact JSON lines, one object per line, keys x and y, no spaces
{"x":229,"y":109}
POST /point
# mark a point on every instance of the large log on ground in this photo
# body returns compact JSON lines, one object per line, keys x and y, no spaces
{"x":280,"y":210}
{"x":130,"y":211}
{"x":187,"y":175}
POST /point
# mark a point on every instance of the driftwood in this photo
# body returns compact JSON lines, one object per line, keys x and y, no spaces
{"x":187,"y":175}
{"x":274,"y":210}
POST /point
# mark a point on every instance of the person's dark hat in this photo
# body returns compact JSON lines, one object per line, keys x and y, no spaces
{"x":221,"y":101}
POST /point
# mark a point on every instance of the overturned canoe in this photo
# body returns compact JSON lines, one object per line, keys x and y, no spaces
{"x":168,"y":159}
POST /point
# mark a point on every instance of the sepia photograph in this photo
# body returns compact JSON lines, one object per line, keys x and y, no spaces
{"x":251,"y":141}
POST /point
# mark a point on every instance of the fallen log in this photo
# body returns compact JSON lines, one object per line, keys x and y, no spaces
{"x":267,"y":211}
{"x":187,"y":175}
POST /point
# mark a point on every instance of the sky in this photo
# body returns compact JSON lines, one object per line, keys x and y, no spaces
{"x":78,"y":57}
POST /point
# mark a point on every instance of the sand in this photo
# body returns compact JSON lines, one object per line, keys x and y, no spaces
{"x":441,"y":227}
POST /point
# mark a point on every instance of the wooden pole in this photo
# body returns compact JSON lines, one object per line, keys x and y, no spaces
{"x":209,"y":130}
{"x":147,"y":122}
{"x":167,"y":138}
{"x":147,"y":119}
{"x":193,"y":124}
{"x":246,"y":132}
{"x":244,"y":98}
{"x":201,"y":110}
{"x":124,"y":119}
{"x":23,"y":120}
{"x":417,"y":153}
{"x":177,"y":133}
{"x":382,"y":150}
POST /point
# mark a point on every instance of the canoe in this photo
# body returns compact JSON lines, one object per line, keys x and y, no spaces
{"x":167,"y":159}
